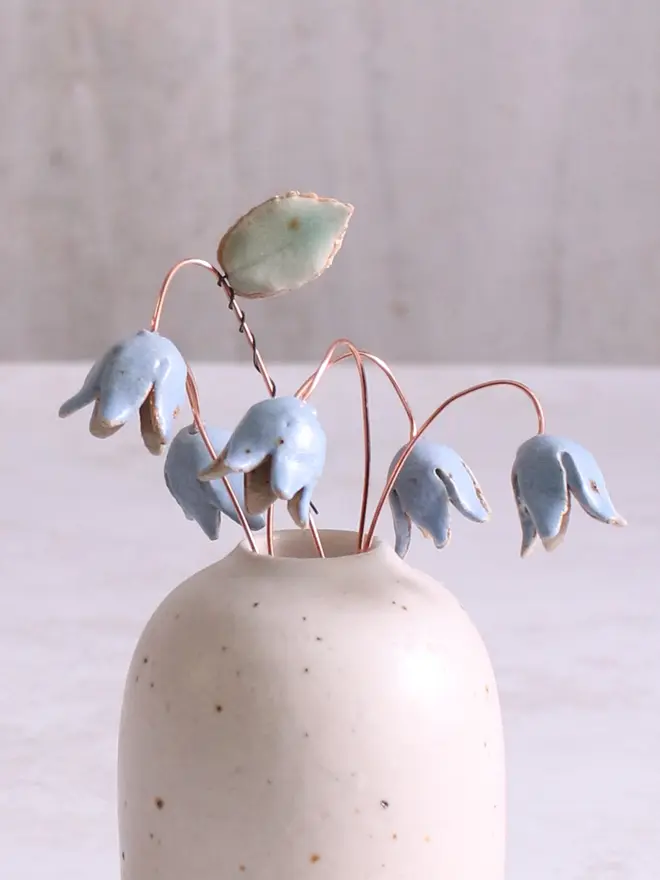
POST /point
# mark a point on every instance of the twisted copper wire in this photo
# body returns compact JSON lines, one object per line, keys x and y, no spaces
{"x":434,"y":415}
{"x":243,"y":327}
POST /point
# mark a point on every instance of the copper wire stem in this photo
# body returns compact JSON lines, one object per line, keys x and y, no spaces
{"x":193,"y":398}
{"x":236,"y":309}
{"x":312,"y":381}
{"x":434,"y":415}
{"x":388,"y":372}
{"x":308,"y":387}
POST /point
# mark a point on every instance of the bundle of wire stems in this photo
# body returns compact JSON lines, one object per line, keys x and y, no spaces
{"x":339,"y":351}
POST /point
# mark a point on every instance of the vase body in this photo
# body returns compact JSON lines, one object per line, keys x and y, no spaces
{"x":292,"y":717}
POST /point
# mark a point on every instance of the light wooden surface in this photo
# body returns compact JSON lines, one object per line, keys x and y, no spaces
{"x":91,"y":542}
{"x":502,"y":157}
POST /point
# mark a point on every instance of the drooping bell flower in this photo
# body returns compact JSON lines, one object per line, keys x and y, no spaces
{"x":279,"y":445}
{"x":546,"y":473}
{"x":145,"y":374}
{"x":432,"y":478}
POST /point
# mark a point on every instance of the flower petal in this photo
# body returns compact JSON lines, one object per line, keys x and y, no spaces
{"x":90,"y":387}
{"x":283,"y":243}
{"x":98,"y":427}
{"x":463,"y":490}
{"x":299,"y":506}
{"x":216,"y":470}
{"x":402,"y":525}
{"x":164,"y":401}
{"x":586,"y":481}
{"x":529,"y":533}
{"x":543,"y":487}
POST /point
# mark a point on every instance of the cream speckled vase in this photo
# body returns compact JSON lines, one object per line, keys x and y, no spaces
{"x":297,"y":717}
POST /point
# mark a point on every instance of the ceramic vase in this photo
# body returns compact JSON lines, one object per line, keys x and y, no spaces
{"x":294,"y":717}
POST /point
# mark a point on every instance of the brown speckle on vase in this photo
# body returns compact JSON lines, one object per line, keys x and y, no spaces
{"x":395,"y":836}
{"x":404,"y":607}
{"x":218,"y":707}
{"x":255,"y":604}
{"x":145,"y":659}
{"x":160,"y":803}
{"x":151,"y":684}
{"x":427,"y":839}
{"x":304,"y":619}
{"x":123,"y":857}
{"x":314,"y":858}
{"x":319,"y":638}
{"x":151,"y":835}
{"x":241,"y":868}
{"x":384,"y":804}
{"x":306,"y":669}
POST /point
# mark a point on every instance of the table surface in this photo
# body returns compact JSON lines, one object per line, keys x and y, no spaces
{"x":92,"y":543}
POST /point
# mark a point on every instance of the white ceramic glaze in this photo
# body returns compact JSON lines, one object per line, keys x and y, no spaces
{"x":296,"y":717}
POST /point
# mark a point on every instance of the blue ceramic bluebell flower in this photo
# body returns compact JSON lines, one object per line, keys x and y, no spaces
{"x":203,"y":502}
{"x":432,"y":477}
{"x":279,"y":445}
{"x":145,"y":374}
{"x":547,"y":471}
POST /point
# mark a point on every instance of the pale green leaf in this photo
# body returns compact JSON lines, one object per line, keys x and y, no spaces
{"x":283,"y":243}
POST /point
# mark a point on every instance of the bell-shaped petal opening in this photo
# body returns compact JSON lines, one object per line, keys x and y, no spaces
{"x":259,"y":494}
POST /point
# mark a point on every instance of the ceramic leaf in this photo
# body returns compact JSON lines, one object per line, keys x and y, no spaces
{"x":283,"y":243}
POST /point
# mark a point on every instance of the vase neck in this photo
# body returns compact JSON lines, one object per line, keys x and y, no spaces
{"x":294,"y":549}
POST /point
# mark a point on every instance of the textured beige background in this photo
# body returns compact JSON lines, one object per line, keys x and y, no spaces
{"x":503,"y":157}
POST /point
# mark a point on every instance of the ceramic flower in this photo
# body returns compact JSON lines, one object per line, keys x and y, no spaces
{"x":203,"y":502}
{"x":546,"y":472}
{"x":145,"y":374}
{"x":432,"y":477}
{"x":279,"y":445}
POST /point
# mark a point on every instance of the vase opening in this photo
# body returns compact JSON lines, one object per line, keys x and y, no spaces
{"x":298,"y":544}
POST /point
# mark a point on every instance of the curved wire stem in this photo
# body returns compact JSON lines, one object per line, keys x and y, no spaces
{"x":308,"y":388}
{"x":258,"y":362}
{"x":193,"y":399}
{"x":386,"y":370}
{"x":233,"y":305}
{"x":434,"y":415}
